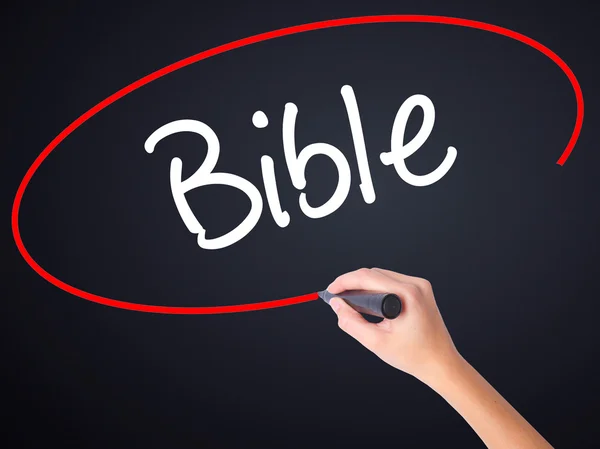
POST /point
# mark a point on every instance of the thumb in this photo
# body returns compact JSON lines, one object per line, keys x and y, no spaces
{"x":352,"y":322}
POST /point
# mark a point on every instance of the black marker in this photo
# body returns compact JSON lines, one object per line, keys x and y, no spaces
{"x":383,"y":305}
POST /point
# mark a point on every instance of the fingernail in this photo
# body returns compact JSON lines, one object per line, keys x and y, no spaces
{"x":335,"y":305}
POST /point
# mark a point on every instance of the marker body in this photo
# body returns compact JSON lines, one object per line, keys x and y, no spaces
{"x":383,"y":305}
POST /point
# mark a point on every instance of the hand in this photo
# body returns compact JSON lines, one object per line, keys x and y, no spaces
{"x":417,"y":341}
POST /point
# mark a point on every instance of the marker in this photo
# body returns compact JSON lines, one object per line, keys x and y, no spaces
{"x":383,"y":305}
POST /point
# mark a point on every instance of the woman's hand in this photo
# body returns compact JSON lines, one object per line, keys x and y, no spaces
{"x":417,"y":341}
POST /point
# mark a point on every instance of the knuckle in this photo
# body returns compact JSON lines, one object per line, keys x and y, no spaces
{"x":362,"y":273}
{"x":413,"y":291}
{"x":425,"y":285}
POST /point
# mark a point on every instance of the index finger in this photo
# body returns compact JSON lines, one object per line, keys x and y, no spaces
{"x":370,"y":280}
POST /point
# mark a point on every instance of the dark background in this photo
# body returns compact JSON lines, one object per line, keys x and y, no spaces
{"x":508,"y":238}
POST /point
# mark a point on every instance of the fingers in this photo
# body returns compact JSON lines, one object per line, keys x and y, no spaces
{"x":352,"y":322}
{"x":423,"y":284}
{"x":397,"y":276}
{"x":373,"y":280}
{"x":362,"y":279}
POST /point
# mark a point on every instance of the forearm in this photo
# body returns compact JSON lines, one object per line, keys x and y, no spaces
{"x":496,"y":422}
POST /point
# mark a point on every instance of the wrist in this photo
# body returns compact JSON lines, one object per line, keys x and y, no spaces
{"x":445,"y":370}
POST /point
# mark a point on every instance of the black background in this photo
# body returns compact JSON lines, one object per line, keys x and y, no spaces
{"x":508,"y":237}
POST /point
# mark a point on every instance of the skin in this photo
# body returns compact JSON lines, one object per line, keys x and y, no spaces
{"x":418,"y":343}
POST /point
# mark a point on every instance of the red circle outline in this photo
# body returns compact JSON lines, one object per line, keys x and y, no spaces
{"x":231,"y":46}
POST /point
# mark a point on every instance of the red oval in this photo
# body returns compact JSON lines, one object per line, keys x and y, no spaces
{"x":231,"y":46}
